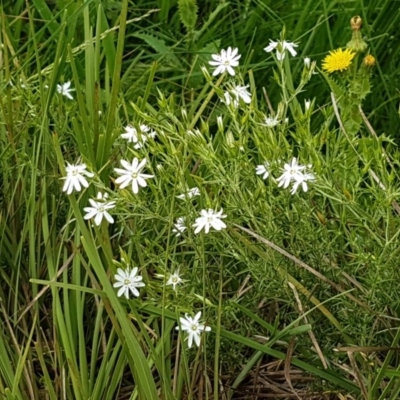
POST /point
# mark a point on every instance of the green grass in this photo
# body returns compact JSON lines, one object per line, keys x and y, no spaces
{"x":293,"y":277}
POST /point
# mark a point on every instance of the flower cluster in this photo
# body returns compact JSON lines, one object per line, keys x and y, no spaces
{"x":128,"y":281}
{"x":292,"y":173}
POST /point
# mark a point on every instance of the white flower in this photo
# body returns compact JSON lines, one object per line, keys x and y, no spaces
{"x":174,"y":280}
{"x":193,"y":192}
{"x":263,"y":170}
{"x":225,"y":60}
{"x":99,"y":209}
{"x":209,"y":218}
{"x":228,"y":99}
{"x":307,"y":62}
{"x":65,"y":90}
{"x":128,"y":281}
{"x":180,"y":226}
{"x":193,"y":327}
{"x":75,"y":178}
{"x":234,"y":95}
{"x":271,"y":122}
{"x":291,"y":172}
{"x":132,"y":136}
{"x":132,"y":174}
{"x":271,"y":47}
{"x":280,"y":48}
{"x":307,"y":104}
{"x":302,"y":179}
{"x":241,"y":92}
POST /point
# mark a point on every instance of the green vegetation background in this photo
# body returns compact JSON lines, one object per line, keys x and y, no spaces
{"x":61,"y":338}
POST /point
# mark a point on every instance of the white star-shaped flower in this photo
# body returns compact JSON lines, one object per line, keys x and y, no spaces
{"x":132,"y":174}
{"x":302,"y":179}
{"x":280,"y":47}
{"x":225,"y":61}
{"x":179,"y":226}
{"x":263,"y":170}
{"x":241,"y":92}
{"x":132,"y":135}
{"x":193,"y":192}
{"x":209,"y":218}
{"x":65,"y":90}
{"x":291,"y":172}
{"x":75,"y":178}
{"x":193,"y":327}
{"x":235,"y":94}
{"x":174,"y":280}
{"x":99,"y":209}
{"x":271,"y":122}
{"x":128,"y":281}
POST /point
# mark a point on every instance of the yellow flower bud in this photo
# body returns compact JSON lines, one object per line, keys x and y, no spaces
{"x":369,"y":60}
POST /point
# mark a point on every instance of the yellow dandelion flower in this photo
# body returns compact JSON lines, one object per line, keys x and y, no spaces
{"x":337,"y":60}
{"x":369,"y":60}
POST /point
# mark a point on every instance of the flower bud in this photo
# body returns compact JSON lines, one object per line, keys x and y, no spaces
{"x":369,"y":60}
{"x":356,"y":23}
{"x":357,"y":43}
{"x":206,"y":73}
{"x":230,"y":140}
{"x":220,"y":123}
{"x":184,"y":114}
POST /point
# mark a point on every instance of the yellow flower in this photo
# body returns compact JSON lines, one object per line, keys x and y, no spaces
{"x":337,"y":60}
{"x":369,"y":60}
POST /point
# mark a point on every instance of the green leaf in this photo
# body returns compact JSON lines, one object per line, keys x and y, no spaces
{"x":46,"y":14}
{"x":335,"y":87}
{"x":160,"y":47}
{"x":197,"y":34}
{"x":188,"y":13}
